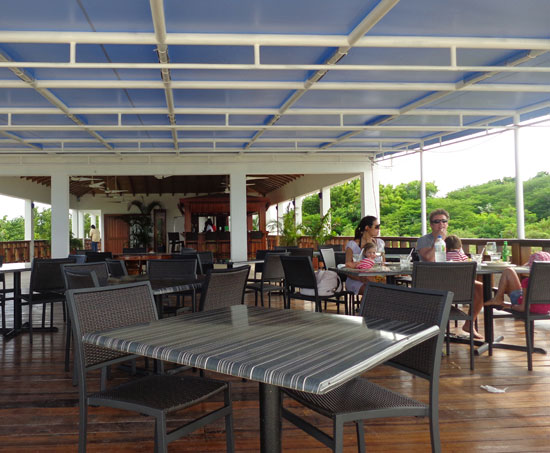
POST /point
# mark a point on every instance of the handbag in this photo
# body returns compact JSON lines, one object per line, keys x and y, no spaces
{"x":328,"y":283}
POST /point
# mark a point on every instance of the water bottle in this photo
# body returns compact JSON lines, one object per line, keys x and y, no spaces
{"x":440,"y":250}
{"x":505,"y":252}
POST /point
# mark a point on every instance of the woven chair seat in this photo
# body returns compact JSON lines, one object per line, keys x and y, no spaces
{"x":164,"y":393}
{"x":267,"y":286}
{"x":358,"y":395}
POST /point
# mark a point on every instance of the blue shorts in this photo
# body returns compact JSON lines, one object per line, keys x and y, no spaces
{"x":516,"y":297}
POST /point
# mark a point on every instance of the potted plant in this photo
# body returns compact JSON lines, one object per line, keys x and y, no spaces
{"x":141,"y":225}
{"x":318,"y":228}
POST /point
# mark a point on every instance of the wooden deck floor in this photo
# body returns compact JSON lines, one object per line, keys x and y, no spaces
{"x":39,"y":406}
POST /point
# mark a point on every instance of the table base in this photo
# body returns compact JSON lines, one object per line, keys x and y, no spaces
{"x":12,"y":332}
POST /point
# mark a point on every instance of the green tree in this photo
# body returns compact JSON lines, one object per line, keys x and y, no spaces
{"x":12,"y":230}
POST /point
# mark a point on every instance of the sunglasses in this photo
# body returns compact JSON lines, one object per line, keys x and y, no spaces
{"x":438,"y":221}
{"x":376,"y":227}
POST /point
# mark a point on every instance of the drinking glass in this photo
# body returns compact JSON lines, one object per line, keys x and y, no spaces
{"x":405,"y":262}
{"x":357,"y":257}
{"x":491,"y":248}
{"x":495,"y":256}
{"x":477,"y":257}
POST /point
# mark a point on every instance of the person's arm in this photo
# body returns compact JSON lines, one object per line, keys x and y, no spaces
{"x":427,"y":253}
{"x":349,"y":258}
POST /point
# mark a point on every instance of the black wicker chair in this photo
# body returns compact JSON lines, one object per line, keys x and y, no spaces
{"x":3,"y":293}
{"x":223,"y":288}
{"x":360,"y":399}
{"x":113,"y":307}
{"x":117,"y":268}
{"x":273,"y":275}
{"x":538,"y":292}
{"x":299,"y":274}
{"x":47,"y":286}
{"x":94,"y":257}
{"x":206,"y":261}
{"x":455,"y":277}
{"x":99,"y":267}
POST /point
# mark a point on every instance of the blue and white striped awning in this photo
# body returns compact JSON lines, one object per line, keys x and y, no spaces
{"x":266,"y":77}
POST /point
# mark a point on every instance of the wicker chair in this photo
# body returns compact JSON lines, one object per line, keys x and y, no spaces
{"x":47,"y":285}
{"x":272,"y":276}
{"x":299,"y":274}
{"x":100,"y":268}
{"x":94,"y":257}
{"x":360,"y":399}
{"x":174,"y":269}
{"x":223,"y":288}
{"x":457,"y":278}
{"x":112,"y":307}
{"x":206,"y":261}
{"x":117,"y":268}
{"x":538,"y":292}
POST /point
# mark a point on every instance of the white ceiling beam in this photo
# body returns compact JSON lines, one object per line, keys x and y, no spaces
{"x":236,"y":39}
{"x":270,"y":85}
{"x":258,"y":111}
{"x":273,"y":67}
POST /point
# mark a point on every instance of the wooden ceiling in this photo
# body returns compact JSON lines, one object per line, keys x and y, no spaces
{"x":153,"y":185}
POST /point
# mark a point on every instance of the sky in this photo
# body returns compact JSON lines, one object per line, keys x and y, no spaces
{"x":450,"y":167}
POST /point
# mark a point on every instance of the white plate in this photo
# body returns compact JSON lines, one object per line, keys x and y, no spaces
{"x":497,"y":264}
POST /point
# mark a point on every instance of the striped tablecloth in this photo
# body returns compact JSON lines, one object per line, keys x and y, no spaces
{"x":312,"y":352}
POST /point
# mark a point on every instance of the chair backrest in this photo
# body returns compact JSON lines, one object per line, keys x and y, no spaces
{"x":185,"y":250}
{"x":457,"y":277}
{"x":306,"y":251}
{"x":171,"y":269}
{"x":77,"y":280}
{"x":340,"y":258}
{"x":398,"y":303}
{"x":117,"y":268}
{"x":96,"y":257}
{"x":223,"y":288}
{"x":206,"y":261}
{"x":335,"y":247}
{"x":47,"y":275}
{"x":100,"y":268}
{"x":299,"y":271}
{"x":273,"y":269}
{"x":1,"y":260}
{"x":110,"y":307}
{"x":173,"y":236}
{"x":329,"y":258}
{"x":78,"y":258}
{"x":392,"y":253}
{"x":538,"y":289}
{"x":190,"y":256}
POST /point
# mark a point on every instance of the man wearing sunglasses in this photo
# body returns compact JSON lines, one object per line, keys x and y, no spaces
{"x":439,"y":220}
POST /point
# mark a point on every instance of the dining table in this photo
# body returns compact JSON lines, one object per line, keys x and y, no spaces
{"x":486,"y":270}
{"x":301,"y":350}
{"x":16,"y":269}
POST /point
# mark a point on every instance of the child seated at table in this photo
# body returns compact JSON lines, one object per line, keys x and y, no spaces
{"x":510,"y":284}
{"x":369,"y":251}
{"x":454,"y":249}
{"x":455,"y":253}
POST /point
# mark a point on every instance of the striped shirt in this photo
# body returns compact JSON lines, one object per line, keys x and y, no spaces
{"x":456,"y":255}
{"x":365,"y":263}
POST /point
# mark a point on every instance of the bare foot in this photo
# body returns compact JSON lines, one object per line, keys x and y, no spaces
{"x":493,"y":303}
{"x":466,"y":328}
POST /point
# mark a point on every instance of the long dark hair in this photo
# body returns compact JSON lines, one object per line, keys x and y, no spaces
{"x":367,"y":221}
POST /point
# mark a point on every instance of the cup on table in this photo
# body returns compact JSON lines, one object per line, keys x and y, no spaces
{"x":495,"y":256}
{"x":404,"y":261}
{"x":477,"y":257}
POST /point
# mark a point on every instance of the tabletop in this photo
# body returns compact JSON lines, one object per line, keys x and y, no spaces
{"x":15,"y":267}
{"x":312,"y":352}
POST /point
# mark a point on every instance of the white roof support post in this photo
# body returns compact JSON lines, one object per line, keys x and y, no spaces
{"x":237,"y":200}
{"x":29,"y":227}
{"x":520,"y":211}
{"x":370,"y":192}
{"x":423,"y":213}
{"x":298,"y":201}
{"x":60,"y":215}
{"x":74,"y":222}
{"x":81,"y":234}
{"x":325,"y":201}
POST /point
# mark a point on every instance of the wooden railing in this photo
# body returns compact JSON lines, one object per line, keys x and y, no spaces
{"x":19,"y":251}
{"x":521,"y":248}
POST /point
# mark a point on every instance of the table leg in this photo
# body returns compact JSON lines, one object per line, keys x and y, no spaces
{"x":17,"y":312}
{"x":270,"y":418}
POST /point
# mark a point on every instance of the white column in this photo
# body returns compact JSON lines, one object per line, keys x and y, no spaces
{"x":298,"y":201}
{"x":81,"y":234}
{"x":423,"y":212}
{"x":237,"y":200}
{"x":370,"y":191}
{"x":280,"y":213}
{"x":520,"y":211}
{"x":325,"y":201}
{"x":29,"y":227}
{"x":75,"y":218}
{"x":101,"y":235}
{"x":60,"y":215}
